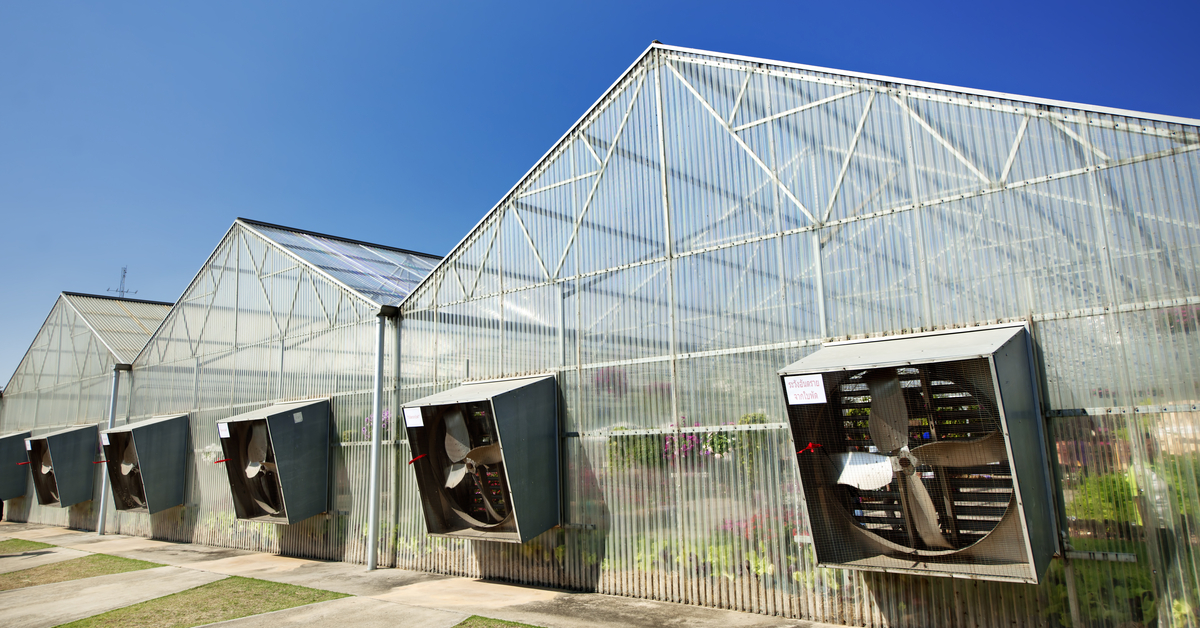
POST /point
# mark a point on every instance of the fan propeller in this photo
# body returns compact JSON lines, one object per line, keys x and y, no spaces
{"x":888,"y":426}
{"x":263,"y":487}
{"x":48,"y":472}
{"x":466,"y":461}
{"x":131,"y":469}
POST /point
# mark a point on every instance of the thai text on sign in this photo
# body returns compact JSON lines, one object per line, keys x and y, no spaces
{"x":802,"y":389}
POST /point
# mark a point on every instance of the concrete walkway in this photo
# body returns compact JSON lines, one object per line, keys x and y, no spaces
{"x":385,"y":597}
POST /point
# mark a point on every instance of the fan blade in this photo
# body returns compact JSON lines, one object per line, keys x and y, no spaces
{"x":458,"y":439}
{"x":47,"y":464}
{"x":256,"y":449}
{"x":889,"y":417}
{"x":267,"y":507}
{"x":455,"y":475}
{"x":868,"y":472}
{"x":128,"y":459}
{"x":923,"y":512}
{"x":963,"y":453}
{"x":486,"y":455}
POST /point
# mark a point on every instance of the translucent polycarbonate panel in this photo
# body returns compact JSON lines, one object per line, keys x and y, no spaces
{"x":123,"y":325}
{"x":382,"y":274}
{"x":713,"y":219}
{"x":64,"y":379}
{"x":257,"y":327}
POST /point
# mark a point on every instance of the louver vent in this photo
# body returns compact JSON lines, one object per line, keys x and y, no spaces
{"x":147,"y":463}
{"x":61,"y":464}
{"x":277,"y":460}
{"x":906,"y":457}
{"x":486,"y":458}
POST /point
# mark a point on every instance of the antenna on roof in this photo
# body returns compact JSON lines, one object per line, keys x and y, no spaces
{"x":121,"y":291}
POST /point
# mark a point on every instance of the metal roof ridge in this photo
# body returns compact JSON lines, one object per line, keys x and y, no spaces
{"x":260,"y":223}
{"x":1033,"y":100}
{"x":112,"y":298}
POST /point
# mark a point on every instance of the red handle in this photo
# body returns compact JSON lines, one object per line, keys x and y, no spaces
{"x":221,"y":460}
{"x":417,"y":458}
{"x":811,"y":447}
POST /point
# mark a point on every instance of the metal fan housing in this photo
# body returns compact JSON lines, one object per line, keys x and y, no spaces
{"x":67,"y":479}
{"x":147,"y":463}
{"x":13,"y":475}
{"x":277,"y":461}
{"x":913,"y":467}
{"x":486,"y":458}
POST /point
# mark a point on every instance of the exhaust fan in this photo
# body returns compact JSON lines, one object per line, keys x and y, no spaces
{"x":61,"y":463}
{"x":13,"y":478}
{"x":277,"y":459}
{"x":147,"y":463}
{"x":486,"y":458}
{"x":907,"y":457}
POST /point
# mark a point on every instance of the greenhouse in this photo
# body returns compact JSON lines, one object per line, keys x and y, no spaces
{"x":713,"y":219}
{"x":68,"y":377}
{"x":768,"y":337}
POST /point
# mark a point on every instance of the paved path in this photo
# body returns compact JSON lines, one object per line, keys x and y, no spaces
{"x":384,"y":597}
{"x":37,"y":558}
{"x":53,"y":604}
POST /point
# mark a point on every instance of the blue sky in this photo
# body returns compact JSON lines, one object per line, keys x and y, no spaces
{"x":133,"y":133}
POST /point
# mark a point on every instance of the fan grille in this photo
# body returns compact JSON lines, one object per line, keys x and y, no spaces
{"x":943,"y":405}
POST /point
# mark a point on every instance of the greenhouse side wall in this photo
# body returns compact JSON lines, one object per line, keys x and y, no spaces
{"x":713,"y":219}
{"x":65,"y":379}
{"x":254,"y":328}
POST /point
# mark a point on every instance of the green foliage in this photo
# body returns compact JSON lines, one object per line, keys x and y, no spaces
{"x":1106,"y":497}
{"x":629,"y":451}
{"x":1110,"y":594}
{"x":749,"y":445}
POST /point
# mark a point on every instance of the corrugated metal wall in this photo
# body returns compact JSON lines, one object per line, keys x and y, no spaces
{"x":714,"y":219}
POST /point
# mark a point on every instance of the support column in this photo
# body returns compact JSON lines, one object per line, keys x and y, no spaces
{"x":112,"y":419}
{"x":385,"y":313}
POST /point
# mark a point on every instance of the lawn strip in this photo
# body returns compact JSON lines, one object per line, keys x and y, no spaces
{"x":20,"y":546}
{"x":74,"y":569}
{"x":475,"y":621}
{"x":222,"y":600}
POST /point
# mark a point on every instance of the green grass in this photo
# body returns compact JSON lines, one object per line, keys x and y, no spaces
{"x":222,"y":600}
{"x":74,"y":569}
{"x":20,"y":546}
{"x":475,"y":621}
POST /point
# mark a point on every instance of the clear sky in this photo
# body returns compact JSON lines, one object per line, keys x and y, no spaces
{"x":133,"y":133}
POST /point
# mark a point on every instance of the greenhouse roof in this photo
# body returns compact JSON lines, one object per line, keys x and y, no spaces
{"x":383,"y":275}
{"x":123,"y":325}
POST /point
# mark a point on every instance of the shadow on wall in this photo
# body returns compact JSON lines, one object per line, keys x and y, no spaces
{"x":565,"y":557}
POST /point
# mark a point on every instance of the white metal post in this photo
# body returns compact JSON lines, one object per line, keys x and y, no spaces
{"x":376,"y":441}
{"x":112,"y":418}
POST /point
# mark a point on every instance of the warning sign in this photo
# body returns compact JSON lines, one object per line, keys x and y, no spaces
{"x":803,"y":389}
